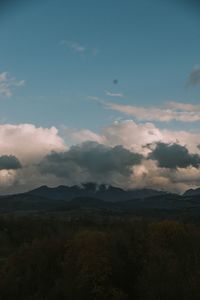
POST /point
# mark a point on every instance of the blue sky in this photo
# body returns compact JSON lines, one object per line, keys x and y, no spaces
{"x":149,"y":46}
{"x":93,"y":78}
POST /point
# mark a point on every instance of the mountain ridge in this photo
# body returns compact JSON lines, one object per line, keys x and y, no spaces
{"x":102,"y":200}
{"x":102,"y":191}
{"x":192,"y":192}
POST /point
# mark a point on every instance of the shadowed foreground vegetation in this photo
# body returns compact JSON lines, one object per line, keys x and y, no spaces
{"x":113,"y":258}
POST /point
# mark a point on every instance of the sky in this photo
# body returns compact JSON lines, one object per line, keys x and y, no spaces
{"x":116,"y":82}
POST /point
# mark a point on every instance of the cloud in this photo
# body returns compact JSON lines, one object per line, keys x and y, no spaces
{"x":93,"y":98}
{"x":184,"y":106}
{"x":194,"y":77}
{"x":7,"y":84}
{"x":74,"y":46}
{"x":92,"y":161}
{"x":149,"y":175}
{"x":131,"y":135}
{"x":28,"y":142}
{"x":134,"y":136}
{"x":79,"y":48}
{"x":9,"y":162}
{"x":119,"y":95}
{"x":154,"y":113}
{"x":73,"y":136}
{"x":173,"y":156}
{"x":118,"y":155}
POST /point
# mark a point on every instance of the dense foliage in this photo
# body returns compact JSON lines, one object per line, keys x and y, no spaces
{"x":52,"y":258}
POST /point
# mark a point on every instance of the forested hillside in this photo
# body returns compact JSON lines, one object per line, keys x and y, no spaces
{"x":53,"y":258}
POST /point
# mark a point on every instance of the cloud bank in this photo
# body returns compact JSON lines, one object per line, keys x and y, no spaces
{"x":92,"y":161}
{"x":125,"y":153}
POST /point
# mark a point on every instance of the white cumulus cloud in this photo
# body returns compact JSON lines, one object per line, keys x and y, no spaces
{"x":28,"y":142}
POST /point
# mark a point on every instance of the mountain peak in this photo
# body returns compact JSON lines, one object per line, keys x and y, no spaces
{"x":192,"y":192}
{"x":101,"y":191}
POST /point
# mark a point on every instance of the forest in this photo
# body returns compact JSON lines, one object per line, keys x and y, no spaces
{"x":51,"y":257}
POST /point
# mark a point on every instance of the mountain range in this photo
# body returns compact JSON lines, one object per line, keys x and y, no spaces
{"x":92,"y":198}
{"x":92,"y":190}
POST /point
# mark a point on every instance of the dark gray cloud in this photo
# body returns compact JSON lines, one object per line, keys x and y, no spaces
{"x":9,"y":162}
{"x":194,"y":77}
{"x":91,"y":161}
{"x":173,"y":156}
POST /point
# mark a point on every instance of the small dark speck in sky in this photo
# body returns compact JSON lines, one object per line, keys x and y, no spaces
{"x":115,"y":81}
